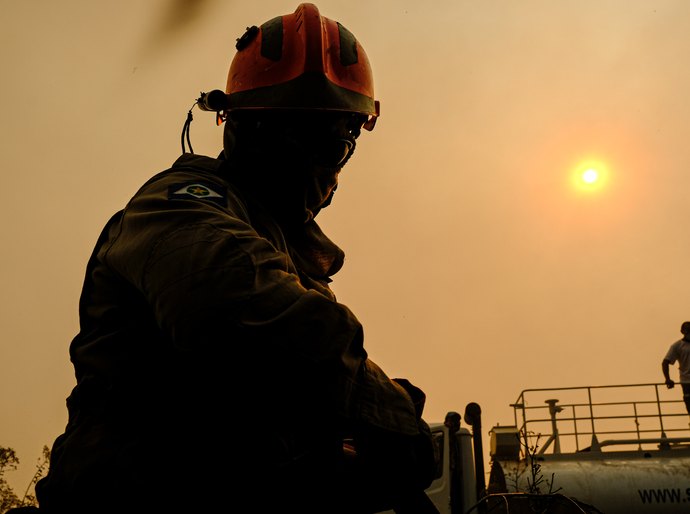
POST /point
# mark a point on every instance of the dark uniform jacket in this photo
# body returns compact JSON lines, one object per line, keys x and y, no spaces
{"x":210,"y":348}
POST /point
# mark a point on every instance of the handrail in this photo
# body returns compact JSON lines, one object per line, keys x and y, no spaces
{"x":639,"y":409}
{"x":667,"y":440}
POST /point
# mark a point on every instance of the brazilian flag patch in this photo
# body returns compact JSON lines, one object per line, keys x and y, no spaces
{"x":199,"y":190}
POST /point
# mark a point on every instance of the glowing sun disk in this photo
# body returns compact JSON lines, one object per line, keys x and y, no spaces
{"x":590,"y":175}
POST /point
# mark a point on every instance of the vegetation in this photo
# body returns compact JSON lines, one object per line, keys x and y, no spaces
{"x":9,"y":462}
{"x":535,"y":479}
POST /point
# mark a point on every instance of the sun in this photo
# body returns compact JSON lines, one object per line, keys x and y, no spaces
{"x":590,"y":176}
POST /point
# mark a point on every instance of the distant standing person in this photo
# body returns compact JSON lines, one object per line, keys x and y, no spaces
{"x":680,"y":351}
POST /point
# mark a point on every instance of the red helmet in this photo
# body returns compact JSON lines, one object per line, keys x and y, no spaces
{"x":301,"y":61}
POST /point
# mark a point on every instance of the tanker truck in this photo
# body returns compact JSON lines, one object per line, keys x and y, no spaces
{"x":614,"y":449}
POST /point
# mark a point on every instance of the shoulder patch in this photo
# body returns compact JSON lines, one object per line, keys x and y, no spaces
{"x":200,"y":190}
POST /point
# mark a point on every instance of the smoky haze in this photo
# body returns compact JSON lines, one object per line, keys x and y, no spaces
{"x":474,"y":264}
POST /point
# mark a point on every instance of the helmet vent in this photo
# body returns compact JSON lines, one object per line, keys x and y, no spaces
{"x":348,"y":46}
{"x":272,"y":39}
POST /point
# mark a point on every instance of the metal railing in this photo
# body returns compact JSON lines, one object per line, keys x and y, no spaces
{"x":589,"y":418}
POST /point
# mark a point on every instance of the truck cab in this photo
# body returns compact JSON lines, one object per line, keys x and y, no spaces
{"x":454,"y":487}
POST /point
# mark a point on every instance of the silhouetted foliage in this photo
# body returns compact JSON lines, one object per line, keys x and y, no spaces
{"x":9,"y":462}
{"x":535,"y":479}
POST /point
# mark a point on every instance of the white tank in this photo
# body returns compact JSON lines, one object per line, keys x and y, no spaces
{"x":620,"y":483}
{"x":623,"y":449}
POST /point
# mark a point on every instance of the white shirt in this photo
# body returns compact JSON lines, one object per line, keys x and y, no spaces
{"x":680,"y":351}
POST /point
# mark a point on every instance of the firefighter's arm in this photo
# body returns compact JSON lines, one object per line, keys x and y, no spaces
{"x":211,"y":279}
{"x":212,"y":284}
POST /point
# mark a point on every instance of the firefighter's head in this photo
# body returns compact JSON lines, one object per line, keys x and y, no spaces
{"x":299,"y":92}
{"x":685,"y":329}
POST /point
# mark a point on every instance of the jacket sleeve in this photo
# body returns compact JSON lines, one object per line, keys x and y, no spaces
{"x":212,"y":280}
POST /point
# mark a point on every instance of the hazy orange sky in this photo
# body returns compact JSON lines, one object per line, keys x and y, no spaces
{"x":476,"y":266}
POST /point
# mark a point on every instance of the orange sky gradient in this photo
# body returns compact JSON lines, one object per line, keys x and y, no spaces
{"x":476,"y":265}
